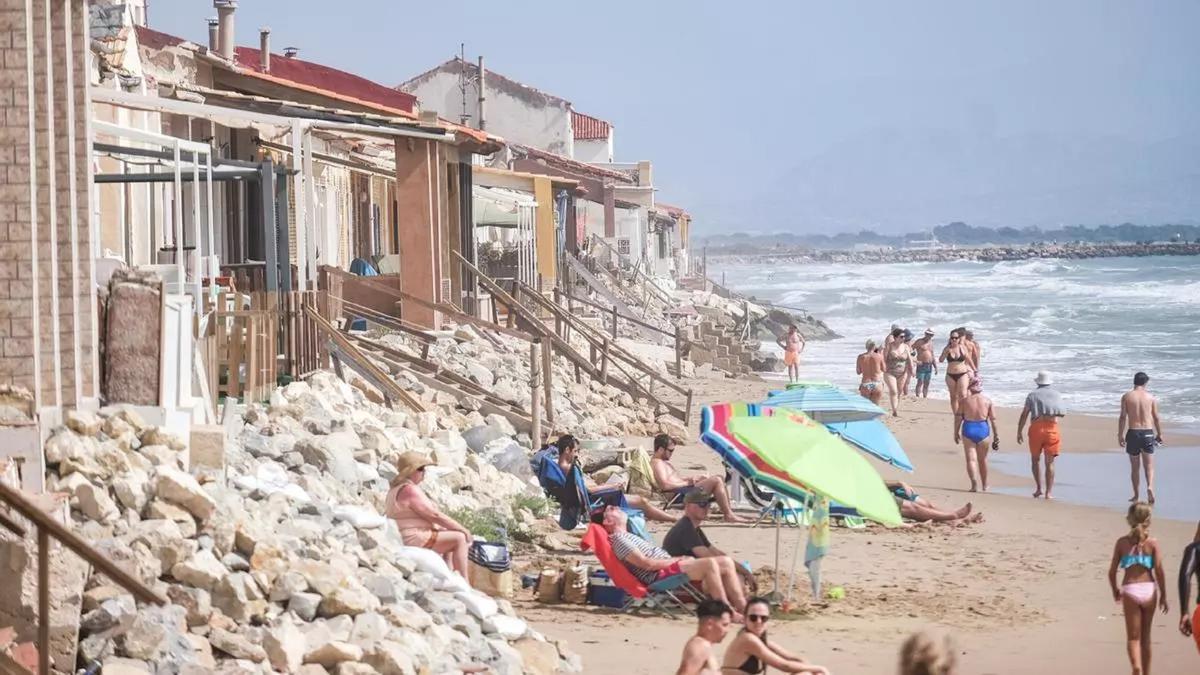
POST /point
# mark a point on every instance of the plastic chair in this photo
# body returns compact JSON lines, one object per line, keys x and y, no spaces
{"x":664,"y":595}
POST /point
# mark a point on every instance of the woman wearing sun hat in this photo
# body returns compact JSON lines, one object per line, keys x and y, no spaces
{"x":420,"y":521}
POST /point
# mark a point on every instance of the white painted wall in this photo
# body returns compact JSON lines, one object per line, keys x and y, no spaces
{"x":521,"y":119}
{"x":594,"y":151}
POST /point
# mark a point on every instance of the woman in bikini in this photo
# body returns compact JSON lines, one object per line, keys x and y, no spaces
{"x":898,"y":360}
{"x":870,"y":365}
{"x":1143,"y":585}
{"x":420,"y":521}
{"x":752,"y":652}
{"x":959,"y":364}
{"x":974,"y":423}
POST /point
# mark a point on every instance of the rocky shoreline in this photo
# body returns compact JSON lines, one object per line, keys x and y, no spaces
{"x":980,"y":254}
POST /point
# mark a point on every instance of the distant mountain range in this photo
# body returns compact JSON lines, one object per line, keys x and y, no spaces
{"x":957,"y":234}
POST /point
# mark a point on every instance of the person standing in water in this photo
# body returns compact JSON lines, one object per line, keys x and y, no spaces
{"x":970,"y":343}
{"x":898,"y":363}
{"x":1139,"y":432}
{"x":907,"y":337}
{"x":870,"y":365}
{"x":959,"y":366}
{"x":973,"y":425}
{"x":926,"y":363}
{"x":1044,"y":405}
{"x":793,"y":344}
{"x":1143,"y":585}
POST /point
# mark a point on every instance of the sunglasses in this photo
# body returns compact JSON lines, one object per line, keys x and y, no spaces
{"x":755,"y":618}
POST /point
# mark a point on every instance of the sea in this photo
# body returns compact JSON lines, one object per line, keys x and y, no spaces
{"x":1091,"y":323}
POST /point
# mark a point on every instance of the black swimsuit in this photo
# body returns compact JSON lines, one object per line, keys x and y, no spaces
{"x":752,"y":665}
{"x":950,"y":359}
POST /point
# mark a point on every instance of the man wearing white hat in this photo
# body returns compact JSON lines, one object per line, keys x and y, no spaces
{"x":1044,"y":405}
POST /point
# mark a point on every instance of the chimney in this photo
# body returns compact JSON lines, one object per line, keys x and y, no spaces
{"x":264,"y":49}
{"x":214,"y":40}
{"x":482,"y":79}
{"x":290,"y":52}
{"x":225,"y":10}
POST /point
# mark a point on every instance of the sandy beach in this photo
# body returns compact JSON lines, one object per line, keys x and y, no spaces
{"x":1024,"y":591}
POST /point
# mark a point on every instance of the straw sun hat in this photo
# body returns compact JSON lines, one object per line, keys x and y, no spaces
{"x":410,"y":463}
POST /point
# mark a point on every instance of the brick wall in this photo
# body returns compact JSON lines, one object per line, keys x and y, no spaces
{"x":18,"y":309}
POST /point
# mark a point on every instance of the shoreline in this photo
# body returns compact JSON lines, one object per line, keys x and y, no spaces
{"x":954,"y":254}
{"x":1024,"y":591}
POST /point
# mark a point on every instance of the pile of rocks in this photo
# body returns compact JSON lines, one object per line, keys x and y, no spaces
{"x":282,"y":561}
{"x":588,"y":409}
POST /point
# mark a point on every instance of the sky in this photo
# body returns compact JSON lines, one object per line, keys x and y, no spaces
{"x":810,"y":116}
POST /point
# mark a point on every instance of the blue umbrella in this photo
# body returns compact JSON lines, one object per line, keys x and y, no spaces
{"x":825,"y":404}
{"x":874,"y":438}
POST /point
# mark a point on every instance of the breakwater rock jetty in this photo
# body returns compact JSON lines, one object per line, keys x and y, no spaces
{"x":951,"y":254}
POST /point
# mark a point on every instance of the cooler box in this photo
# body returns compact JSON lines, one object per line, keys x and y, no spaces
{"x":603,"y":593}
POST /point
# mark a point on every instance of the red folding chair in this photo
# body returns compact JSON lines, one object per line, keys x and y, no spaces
{"x":662,"y":595}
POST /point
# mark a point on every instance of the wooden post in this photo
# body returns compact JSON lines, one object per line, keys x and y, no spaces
{"x":558,"y":326}
{"x":687,"y":412}
{"x":604,"y":364}
{"x":535,"y":402}
{"x":43,"y":552}
{"x":614,"y":321}
{"x":548,"y":380}
{"x":678,"y":356}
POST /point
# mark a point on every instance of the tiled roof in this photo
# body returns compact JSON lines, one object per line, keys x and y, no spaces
{"x":571,"y":165}
{"x":324,"y":77}
{"x":675,"y":211}
{"x":588,"y":128}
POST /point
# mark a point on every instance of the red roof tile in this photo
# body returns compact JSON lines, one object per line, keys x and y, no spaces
{"x":326,"y":78}
{"x":588,"y":128}
{"x":571,"y":165}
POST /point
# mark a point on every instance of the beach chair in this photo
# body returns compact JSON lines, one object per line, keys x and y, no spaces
{"x":574,"y":501}
{"x":666,"y":596}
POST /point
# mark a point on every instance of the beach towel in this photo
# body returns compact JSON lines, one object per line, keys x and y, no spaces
{"x":641,"y":476}
{"x":818,"y":541}
{"x":596,"y":541}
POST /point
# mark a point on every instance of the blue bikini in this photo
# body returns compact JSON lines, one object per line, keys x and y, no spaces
{"x":976,"y":430}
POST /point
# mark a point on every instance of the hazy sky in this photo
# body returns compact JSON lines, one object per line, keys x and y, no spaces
{"x":818,"y":115}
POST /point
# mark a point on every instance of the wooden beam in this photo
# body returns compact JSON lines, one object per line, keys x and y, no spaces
{"x":352,"y":352}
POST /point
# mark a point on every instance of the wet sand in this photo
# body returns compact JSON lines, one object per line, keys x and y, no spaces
{"x":1024,"y":591}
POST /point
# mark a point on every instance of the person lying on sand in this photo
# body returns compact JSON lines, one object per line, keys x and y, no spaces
{"x":669,"y":479}
{"x":916,"y":508}
{"x":686,"y":538}
{"x":753,"y":652}
{"x":650,"y":563}
{"x":713,"y":618}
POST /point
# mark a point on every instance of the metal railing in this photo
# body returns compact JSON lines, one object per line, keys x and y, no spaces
{"x":48,"y":528}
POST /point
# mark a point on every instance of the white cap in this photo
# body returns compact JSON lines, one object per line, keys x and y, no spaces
{"x":1043,"y":378}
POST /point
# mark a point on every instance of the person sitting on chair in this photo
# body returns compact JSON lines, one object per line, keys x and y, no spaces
{"x":650,"y":563}
{"x":686,"y":538}
{"x":607,"y":495}
{"x":670,"y":480}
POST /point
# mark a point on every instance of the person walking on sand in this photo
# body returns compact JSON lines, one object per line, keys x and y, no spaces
{"x":959,"y":366}
{"x":926,"y":363}
{"x":1044,"y":405}
{"x":1139,"y":432}
{"x":698,"y":659}
{"x":973,"y":425}
{"x":1143,"y":585}
{"x":906,"y":338}
{"x":793,"y":345}
{"x":870,"y":365}
{"x":1189,"y":568}
{"x":898,"y":362}
{"x":753,"y":652}
{"x":970,"y":343}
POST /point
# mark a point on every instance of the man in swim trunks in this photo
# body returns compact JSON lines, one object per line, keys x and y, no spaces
{"x":870,"y":365}
{"x":1139,"y":432}
{"x":715,"y":618}
{"x":793,"y":344}
{"x":926,"y":363}
{"x":1044,"y":405}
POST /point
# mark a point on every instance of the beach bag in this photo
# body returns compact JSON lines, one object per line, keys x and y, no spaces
{"x":575,"y":585}
{"x":549,"y":586}
{"x":490,"y":568}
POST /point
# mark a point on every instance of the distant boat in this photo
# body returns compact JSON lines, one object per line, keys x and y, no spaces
{"x":930,"y":244}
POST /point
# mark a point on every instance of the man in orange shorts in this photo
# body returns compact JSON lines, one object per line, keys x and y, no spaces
{"x":1044,"y":405}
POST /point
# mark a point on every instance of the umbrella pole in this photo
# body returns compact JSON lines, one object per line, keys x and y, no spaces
{"x":778,"y":505}
{"x":801,"y":521}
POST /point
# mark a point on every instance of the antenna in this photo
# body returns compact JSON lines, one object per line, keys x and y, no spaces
{"x":464,"y":81}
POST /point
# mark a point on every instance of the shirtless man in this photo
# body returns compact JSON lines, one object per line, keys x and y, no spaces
{"x":698,"y":658}
{"x":870,"y":366}
{"x":669,"y":479}
{"x":1139,"y":432}
{"x":926,"y":363}
{"x":970,"y":343}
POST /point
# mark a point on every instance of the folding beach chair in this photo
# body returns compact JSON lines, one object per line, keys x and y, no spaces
{"x":665,"y":595}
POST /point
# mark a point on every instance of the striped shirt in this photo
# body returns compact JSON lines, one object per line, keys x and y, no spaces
{"x":624,"y":544}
